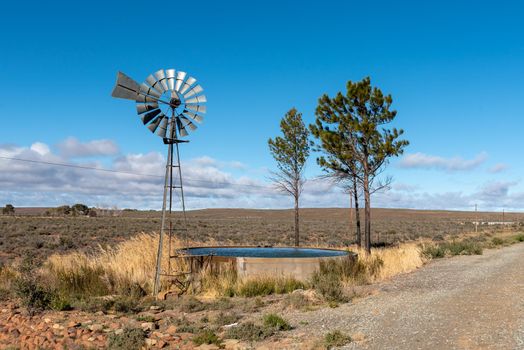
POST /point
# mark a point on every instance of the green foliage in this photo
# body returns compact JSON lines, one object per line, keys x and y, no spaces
{"x":80,"y":209}
{"x":292,"y":150}
{"x":129,"y":339}
{"x":9,"y":209}
{"x":28,"y":286}
{"x":451,"y":249}
{"x":206,"y":337}
{"x":335,"y":339}
{"x":84,"y":281}
{"x":355,"y":143}
{"x":249,"y":331}
{"x":223,"y":319}
{"x":276,"y":322}
{"x":497,"y":241}
{"x":519,"y":238}
{"x":266,"y":286}
{"x":327,"y":280}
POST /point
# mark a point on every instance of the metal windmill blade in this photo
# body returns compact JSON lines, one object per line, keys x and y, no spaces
{"x":125,"y":87}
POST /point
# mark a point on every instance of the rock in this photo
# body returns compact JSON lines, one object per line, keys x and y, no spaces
{"x":171,"y":329}
{"x":91,"y":339}
{"x":56,"y":326}
{"x":119,"y":331}
{"x":231,"y":344}
{"x":47,"y":320}
{"x":158,"y":334}
{"x":155,"y":307}
{"x":148,"y":326}
{"x":95,"y":327}
{"x":150,"y":342}
{"x":160,"y":344}
{"x":73,"y":324}
{"x":99,"y":313}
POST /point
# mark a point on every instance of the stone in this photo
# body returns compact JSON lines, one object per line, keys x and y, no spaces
{"x":171,"y":329}
{"x":95,"y":327}
{"x":73,"y":324}
{"x":148,"y":326}
{"x":155,"y":307}
{"x":158,"y":334}
{"x":160,"y":344}
{"x":47,"y":320}
{"x":150,"y":342}
{"x":119,"y":331}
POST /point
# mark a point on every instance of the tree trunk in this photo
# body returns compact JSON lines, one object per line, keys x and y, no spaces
{"x":367,"y":214}
{"x":296,"y":222}
{"x":357,"y":213}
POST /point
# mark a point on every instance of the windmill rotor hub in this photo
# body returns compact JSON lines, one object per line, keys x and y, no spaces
{"x":175,"y":102}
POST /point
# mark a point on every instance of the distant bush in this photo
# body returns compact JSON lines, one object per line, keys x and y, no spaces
{"x":8,"y":209}
{"x":451,"y":249}
{"x":497,"y":241}
{"x":519,"y":238}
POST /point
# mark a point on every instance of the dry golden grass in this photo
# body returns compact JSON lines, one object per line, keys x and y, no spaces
{"x":131,"y":262}
{"x":396,"y":260}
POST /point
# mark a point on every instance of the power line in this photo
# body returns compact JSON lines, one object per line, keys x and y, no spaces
{"x":124,"y":172}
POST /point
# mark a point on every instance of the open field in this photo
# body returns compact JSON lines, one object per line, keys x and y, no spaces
{"x":30,"y":231}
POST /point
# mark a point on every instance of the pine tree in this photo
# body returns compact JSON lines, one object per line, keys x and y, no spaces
{"x":291,"y":152}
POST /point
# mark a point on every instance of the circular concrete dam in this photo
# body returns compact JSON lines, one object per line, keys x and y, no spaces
{"x":250,"y":262}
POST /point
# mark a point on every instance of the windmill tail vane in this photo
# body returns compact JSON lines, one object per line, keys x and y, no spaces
{"x":169,"y":103}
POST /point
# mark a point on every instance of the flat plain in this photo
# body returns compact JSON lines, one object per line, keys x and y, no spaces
{"x":31,"y":230}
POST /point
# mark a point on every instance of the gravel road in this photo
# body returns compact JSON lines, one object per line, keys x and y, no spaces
{"x":465,"y":302}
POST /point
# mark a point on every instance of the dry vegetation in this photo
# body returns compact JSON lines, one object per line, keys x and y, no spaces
{"x":107,"y":264}
{"x":30,"y":231}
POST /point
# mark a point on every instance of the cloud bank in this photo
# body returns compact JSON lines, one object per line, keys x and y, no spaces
{"x":136,"y":181}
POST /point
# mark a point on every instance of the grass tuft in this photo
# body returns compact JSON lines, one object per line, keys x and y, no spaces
{"x":335,"y":339}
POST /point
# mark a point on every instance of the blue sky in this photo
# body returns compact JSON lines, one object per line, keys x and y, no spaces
{"x":454,"y":69}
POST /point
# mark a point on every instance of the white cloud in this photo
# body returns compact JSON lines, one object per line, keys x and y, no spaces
{"x":73,"y":148}
{"x":40,"y":148}
{"x":498,"y":168}
{"x":426,"y":161}
{"x":208,"y":183}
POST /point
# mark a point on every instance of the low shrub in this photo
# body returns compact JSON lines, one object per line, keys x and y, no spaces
{"x":129,"y":339}
{"x":276,"y":322}
{"x":34,"y":293}
{"x":451,"y":249}
{"x":267,"y":285}
{"x":226,"y":319}
{"x":519,"y":238}
{"x":191,"y":304}
{"x":249,"y":332}
{"x":206,"y":337}
{"x":297,"y":301}
{"x":335,"y":339}
{"x":497,"y":241}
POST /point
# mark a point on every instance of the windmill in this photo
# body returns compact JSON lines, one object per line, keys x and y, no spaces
{"x":169,"y":103}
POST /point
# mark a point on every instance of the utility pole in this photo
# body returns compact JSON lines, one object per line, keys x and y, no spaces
{"x":476,"y":219}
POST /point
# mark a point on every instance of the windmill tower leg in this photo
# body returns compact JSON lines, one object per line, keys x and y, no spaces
{"x":167,"y":189}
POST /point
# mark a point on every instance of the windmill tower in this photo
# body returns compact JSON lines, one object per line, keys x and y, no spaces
{"x":169,"y":103}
